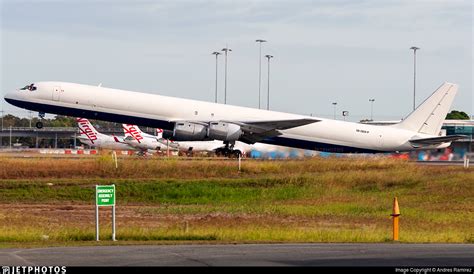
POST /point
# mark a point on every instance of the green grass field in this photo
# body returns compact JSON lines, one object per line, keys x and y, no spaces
{"x":51,"y":201}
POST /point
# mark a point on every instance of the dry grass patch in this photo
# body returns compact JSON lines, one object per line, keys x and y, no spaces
{"x":314,"y":200}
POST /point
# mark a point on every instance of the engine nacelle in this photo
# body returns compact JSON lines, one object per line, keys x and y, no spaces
{"x":187,"y":131}
{"x":224,"y":131}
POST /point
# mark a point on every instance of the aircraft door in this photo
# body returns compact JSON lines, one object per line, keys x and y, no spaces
{"x":380,"y":140}
{"x":56,"y":93}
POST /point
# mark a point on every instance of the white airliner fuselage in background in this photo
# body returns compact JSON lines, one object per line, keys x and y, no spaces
{"x":143,"y":141}
{"x":192,"y":120}
{"x":90,"y":136}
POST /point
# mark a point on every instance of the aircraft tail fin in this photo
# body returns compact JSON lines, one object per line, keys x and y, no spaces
{"x":159,"y":133}
{"x":87,"y":130}
{"x":429,"y":116}
{"x":133,"y":131}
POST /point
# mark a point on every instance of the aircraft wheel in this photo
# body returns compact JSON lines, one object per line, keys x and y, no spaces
{"x":39,"y":125}
{"x":235,"y":154}
{"x":220,"y":152}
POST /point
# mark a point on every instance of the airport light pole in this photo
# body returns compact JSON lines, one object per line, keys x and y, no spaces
{"x":260,"y":70}
{"x":226,"y":49}
{"x":268,"y":84}
{"x":216,"y":54}
{"x":414,"y":75}
{"x":371,"y":108}
{"x":334,"y":104}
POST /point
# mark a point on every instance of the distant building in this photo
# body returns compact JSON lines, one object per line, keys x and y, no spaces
{"x":450,"y":127}
{"x":460,"y":127}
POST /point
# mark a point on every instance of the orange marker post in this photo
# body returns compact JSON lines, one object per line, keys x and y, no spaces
{"x":395,"y":215}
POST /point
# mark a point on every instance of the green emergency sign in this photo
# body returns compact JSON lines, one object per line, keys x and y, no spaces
{"x":105,"y":195}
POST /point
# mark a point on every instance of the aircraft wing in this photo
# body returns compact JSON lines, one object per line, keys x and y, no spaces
{"x":262,"y":126}
{"x":437,"y":140}
{"x":255,"y":131}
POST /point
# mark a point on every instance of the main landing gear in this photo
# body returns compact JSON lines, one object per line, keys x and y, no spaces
{"x":39,"y":124}
{"x":141,"y":153}
{"x":228,"y":151}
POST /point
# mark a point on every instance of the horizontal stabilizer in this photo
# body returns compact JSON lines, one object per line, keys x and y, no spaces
{"x":437,"y":140}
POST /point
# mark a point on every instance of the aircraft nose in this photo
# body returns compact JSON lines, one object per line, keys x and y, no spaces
{"x":9,"y":96}
{"x":13,"y":97}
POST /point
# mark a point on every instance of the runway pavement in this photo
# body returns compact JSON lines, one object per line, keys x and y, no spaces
{"x":247,"y":255}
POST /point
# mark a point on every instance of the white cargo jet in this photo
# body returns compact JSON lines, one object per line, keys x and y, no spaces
{"x":191,"y":120}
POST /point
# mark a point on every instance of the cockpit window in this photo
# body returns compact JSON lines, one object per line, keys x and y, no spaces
{"x":29,"y":87}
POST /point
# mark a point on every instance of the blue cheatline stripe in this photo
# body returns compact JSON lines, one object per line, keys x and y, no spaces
{"x":119,"y":118}
{"x":105,"y":116}
{"x":303,"y":144}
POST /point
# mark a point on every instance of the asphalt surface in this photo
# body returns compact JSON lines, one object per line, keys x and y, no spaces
{"x":247,"y":255}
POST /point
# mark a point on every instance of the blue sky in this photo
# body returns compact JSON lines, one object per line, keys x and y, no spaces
{"x":325,"y":51}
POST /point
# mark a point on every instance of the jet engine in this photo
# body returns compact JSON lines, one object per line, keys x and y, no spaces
{"x":224,"y":131}
{"x":188,"y":131}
